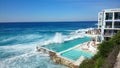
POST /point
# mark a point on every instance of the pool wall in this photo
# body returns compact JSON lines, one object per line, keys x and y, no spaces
{"x":72,"y":48}
{"x":67,"y":45}
{"x":58,"y":58}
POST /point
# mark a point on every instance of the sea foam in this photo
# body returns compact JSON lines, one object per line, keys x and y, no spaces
{"x":60,"y":38}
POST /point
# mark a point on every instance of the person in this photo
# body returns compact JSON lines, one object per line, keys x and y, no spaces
{"x":88,"y":44}
{"x":93,"y":41}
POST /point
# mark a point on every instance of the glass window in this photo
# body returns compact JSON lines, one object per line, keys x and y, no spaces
{"x":109,"y":16}
{"x":117,"y":15}
{"x":117,"y":24}
{"x":99,"y":18}
{"x":108,"y":25}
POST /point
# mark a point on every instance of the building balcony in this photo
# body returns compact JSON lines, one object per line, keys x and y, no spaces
{"x":117,"y":16}
{"x":109,"y":16}
{"x":116,"y":26}
{"x":108,"y":26}
{"x":108,"y":34}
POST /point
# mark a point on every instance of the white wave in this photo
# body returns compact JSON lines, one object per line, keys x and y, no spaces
{"x":29,"y":59}
{"x":58,"y":38}
{"x":22,"y":37}
{"x":80,"y":33}
{"x":19,"y":60}
{"x":31,"y":45}
{"x":23,"y":56}
{"x":30,"y":36}
{"x":73,"y":36}
{"x":83,"y":30}
{"x":7,"y":39}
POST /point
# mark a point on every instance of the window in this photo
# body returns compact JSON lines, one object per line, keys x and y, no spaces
{"x":108,"y":25}
{"x":109,"y":16}
{"x":107,"y":38}
{"x":117,"y":24}
{"x":117,"y":15}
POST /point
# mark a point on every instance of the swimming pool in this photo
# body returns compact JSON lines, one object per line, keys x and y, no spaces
{"x":67,"y":44}
{"x":75,"y":54}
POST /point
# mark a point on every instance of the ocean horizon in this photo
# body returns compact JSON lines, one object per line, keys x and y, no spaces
{"x":18,"y":41}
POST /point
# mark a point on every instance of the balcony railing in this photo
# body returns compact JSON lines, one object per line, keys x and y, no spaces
{"x":117,"y":26}
{"x":108,"y":26}
{"x":108,"y":34}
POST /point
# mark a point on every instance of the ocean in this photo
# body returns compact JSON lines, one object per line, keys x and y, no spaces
{"x":18,"y":41}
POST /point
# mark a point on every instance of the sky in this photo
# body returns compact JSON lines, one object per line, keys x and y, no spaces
{"x":53,"y":10}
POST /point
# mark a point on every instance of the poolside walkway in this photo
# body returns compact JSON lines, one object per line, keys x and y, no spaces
{"x":117,"y":64}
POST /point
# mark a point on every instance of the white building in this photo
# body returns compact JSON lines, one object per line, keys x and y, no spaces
{"x":108,"y":23}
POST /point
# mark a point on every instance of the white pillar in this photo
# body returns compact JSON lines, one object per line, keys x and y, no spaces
{"x":113,"y":21}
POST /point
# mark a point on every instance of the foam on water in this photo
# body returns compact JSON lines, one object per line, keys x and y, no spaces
{"x":59,"y":38}
{"x":21,"y":37}
{"x":19,"y":40}
{"x":25,"y":56}
{"x":21,"y":55}
{"x":29,"y":60}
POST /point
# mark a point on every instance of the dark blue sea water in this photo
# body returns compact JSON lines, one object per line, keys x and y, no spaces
{"x":19,"y":39}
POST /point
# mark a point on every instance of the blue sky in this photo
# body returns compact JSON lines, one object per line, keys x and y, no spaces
{"x":53,"y":10}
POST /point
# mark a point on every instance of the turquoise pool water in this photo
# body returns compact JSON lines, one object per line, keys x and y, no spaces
{"x":67,"y":44}
{"x":75,"y":54}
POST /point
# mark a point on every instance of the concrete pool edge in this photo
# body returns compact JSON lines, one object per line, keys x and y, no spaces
{"x":58,"y":47}
{"x":71,"y":48}
{"x":58,"y":58}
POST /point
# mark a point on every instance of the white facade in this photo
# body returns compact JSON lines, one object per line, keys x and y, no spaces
{"x":108,"y":23}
